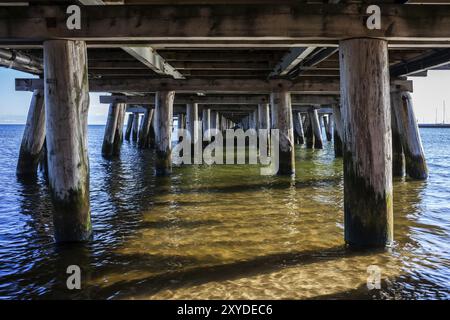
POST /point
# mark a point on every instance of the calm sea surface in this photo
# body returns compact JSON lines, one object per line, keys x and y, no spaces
{"x":222,"y":231}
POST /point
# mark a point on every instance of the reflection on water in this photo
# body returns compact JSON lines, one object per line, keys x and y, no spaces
{"x":221,"y":231}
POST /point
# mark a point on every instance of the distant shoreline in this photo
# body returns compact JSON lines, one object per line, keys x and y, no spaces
{"x":434,"y":125}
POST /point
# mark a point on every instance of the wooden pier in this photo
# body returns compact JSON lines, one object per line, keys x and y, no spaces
{"x":294,"y":66}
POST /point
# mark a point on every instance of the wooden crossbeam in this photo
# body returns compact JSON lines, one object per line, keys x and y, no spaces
{"x":194,"y":85}
{"x":146,"y":55}
{"x":416,"y":66}
{"x":222,"y":24}
{"x":291,"y":60}
{"x":223,"y":99}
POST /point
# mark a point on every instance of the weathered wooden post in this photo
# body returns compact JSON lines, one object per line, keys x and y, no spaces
{"x":316,"y":128}
{"x":398,"y":156}
{"x":206,"y":121}
{"x":181,"y":120}
{"x":328,"y":123}
{"x":282,"y":120}
{"x":416,"y":166}
{"x":214,"y":117}
{"x":338,"y":135}
{"x":33,"y":137}
{"x":163,"y":135}
{"x":135,"y":129}
{"x":192,"y":120}
{"x":66,"y":107}
{"x":129,"y":126}
{"x":364,"y":74}
{"x":298,"y":128}
{"x":145,"y":129}
{"x":118,"y":137}
{"x":309,"y":132}
{"x":110,"y":130}
{"x":263,"y":116}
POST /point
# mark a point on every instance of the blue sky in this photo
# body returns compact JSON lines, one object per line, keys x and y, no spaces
{"x":428,"y":97}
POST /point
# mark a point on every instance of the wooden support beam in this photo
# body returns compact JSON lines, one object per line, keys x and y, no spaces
{"x":291,"y":60}
{"x":306,"y":86}
{"x":315,"y":58}
{"x":206,"y":121}
{"x":129,"y":126}
{"x":223,"y":24}
{"x":135,"y":128}
{"x":192,"y":121}
{"x":33,"y":138}
{"x":110,"y":130}
{"x":264,"y":116}
{"x":163,"y":132}
{"x":146,"y":55}
{"x":154,"y":61}
{"x":20,"y":61}
{"x":144,"y":132}
{"x":415,"y":66}
{"x":338,"y":134}
{"x":66,"y":108}
{"x":316,"y":128}
{"x":282,"y":120}
{"x":309,"y":131}
{"x":368,"y":211}
{"x":416,"y":166}
{"x":298,"y":128}
{"x":118,"y":136}
{"x":328,"y":123}
{"x":398,"y":157}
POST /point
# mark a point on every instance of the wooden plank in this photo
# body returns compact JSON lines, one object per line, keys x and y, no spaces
{"x":303,"y":99}
{"x":301,"y":23}
{"x":146,"y":55}
{"x":291,"y":60}
{"x":308,"y":85}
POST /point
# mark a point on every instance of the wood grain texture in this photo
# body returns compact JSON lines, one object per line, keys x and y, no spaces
{"x":145,"y":129}
{"x":118,"y":137}
{"x":163,"y":131}
{"x":416,"y":166}
{"x":298,"y":128}
{"x":282,"y":120}
{"x":398,"y":156}
{"x":129,"y":126}
{"x":66,"y":108}
{"x":33,"y":137}
{"x":135,"y":128}
{"x":110,"y":130}
{"x":316,"y":128}
{"x":365,"y":101}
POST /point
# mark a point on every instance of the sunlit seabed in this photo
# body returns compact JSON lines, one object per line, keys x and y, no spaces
{"x":222,"y":231}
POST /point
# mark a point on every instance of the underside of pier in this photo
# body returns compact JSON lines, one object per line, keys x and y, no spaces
{"x":292,"y":66}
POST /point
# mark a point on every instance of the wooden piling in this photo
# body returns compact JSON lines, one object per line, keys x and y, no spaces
{"x":129,"y":126}
{"x":415,"y":163}
{"x":66,"y":107}
{"x":328,"y":123}
{"x":110,"y":130}
{"x":398,"y":156}
{"x":309,"y":132}
{"x":135,"y":128}
{"x":316,"y":128}
{"x":163,"y":134}
{"x":282,"y":120}
{"x":192,"y":120}
{"x":206,"y":121}
{"x":364,"y":74}
{"x":298,"y":128}
{"x":338,"y":134}
{"x":145,"y":129}
{"x":33,"y":138}
{"x":118,"y":136}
